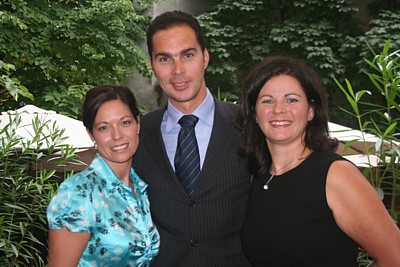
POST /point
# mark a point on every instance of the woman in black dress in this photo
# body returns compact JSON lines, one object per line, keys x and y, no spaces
{"x":308,"y":206}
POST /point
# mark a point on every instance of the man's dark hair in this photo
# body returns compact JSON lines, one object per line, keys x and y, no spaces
{"x":170,"y":19}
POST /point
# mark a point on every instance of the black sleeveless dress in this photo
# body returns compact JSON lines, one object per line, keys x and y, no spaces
{"x":290,"y":224}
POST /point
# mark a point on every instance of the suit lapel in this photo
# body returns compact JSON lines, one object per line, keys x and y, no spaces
{"x":221,"y":139}
{"x":153,"y":136}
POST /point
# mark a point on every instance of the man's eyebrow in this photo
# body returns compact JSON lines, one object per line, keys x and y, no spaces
{"x":163,"y":54}
{"x":183,"y":52}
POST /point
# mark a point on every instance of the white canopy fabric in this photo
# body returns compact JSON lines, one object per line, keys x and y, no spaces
{"x":76,"y":135}
{"x":363,"y":160}
{"x":346,"y":133}
{"x":362,"y":150}
{"x":75,"y":131}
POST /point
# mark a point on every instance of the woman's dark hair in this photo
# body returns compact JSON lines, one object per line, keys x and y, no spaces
{"x":97,"y":96}
{"x":317,"y":132}
{"x":170,"y":19}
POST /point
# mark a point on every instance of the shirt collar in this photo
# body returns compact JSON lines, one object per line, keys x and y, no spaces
{"x":205,"y":112}
{"x":101,"y":167}
{"x":140,"y":185}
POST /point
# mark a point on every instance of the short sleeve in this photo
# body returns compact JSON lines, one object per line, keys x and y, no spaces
{"x":71,"y":207}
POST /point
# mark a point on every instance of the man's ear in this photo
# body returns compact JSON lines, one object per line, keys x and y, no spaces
{"x":151,"y":63}
{"x":206,"y":56}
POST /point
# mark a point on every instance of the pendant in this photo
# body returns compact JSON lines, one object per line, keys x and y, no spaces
{"x":268,"y":182}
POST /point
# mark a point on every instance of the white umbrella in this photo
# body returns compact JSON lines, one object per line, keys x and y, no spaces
{"x":362,"y":150}
{"x":22,"y":121}
{"x":75,"y":132}
{"x":361,"y":142}
{"x":365,"y":160}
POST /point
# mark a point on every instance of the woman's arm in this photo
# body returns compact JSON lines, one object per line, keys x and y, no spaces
{"x":360,"y":213}
{"x":65,"y":248}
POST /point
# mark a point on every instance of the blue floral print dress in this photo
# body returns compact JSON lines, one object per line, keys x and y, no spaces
{"x":96,"y":201}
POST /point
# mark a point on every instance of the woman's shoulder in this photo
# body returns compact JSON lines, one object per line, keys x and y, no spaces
{"x":325,"y":157}
{"x":72,"y":205}
{"x":343,"y":174}
{"x":84,"y":179}
{"x":328,"y":154}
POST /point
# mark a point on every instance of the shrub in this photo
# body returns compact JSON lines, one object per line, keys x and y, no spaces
{"x":377,"y":111}
{"x":26,"y":188}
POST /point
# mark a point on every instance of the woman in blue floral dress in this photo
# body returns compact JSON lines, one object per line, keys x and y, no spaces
{"x":101,"y":216}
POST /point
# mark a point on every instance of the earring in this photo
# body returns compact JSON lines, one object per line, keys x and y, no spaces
{"x":94,"y":144}
{"x":256,"y":120}
{"x":138,"y":132}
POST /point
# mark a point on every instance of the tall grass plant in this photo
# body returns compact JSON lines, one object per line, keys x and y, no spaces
{"x":26,"y":187}
{"x":377,"y":111}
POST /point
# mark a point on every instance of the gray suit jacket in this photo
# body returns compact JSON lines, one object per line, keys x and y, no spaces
{"x":203,"y":230}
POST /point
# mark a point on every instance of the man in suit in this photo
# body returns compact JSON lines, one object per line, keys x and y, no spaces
{"x":201,"y":228}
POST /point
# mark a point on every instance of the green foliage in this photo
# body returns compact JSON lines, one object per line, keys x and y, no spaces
{"x":385,"y":26}
{"x":57,"y":44}
{"x":69,"y":100}
{"x":10,"y":88}
{"x":26,"y":187}
{"x":241,"y":33}
{"x":375,"y":7}
{"x":382,"y":118}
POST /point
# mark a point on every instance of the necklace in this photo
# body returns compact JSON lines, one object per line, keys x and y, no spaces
{"x":266,"y":185}
{"x":269,"y":181}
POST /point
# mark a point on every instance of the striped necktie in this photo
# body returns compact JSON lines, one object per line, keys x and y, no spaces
{"x":187,"y":158}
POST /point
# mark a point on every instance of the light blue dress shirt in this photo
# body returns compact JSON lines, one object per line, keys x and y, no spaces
{"x":170,"y":127}
{"x":96,"y":201}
